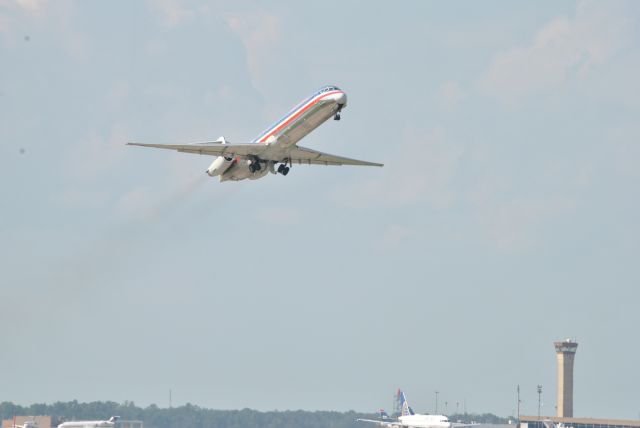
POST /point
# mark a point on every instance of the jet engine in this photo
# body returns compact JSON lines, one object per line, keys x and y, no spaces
{"x":220,"y":165}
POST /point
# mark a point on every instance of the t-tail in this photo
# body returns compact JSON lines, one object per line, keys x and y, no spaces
{"x":383,"y":415}
{"x":406,"y":410}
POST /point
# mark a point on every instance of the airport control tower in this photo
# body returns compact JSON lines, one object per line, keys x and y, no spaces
{"x":565,"y":352}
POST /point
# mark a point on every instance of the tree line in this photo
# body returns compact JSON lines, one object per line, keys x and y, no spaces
{"x":191,"y":416}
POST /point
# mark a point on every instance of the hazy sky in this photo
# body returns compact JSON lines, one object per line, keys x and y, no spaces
{"x":506,"y":216}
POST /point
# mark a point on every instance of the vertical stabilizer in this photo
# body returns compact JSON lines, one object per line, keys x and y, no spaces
{"x":406,"y":410}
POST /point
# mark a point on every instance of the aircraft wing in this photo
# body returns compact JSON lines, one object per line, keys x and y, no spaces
{"x":383,"y":423}
{"x":295,"y":154}
{"x":213,"y":148}
{"x":302,"y":155}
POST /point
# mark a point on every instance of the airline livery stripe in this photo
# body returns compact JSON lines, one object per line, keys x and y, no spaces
{"x":294,"y":115}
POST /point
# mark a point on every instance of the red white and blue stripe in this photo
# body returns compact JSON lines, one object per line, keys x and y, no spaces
{"x":296,"y":112}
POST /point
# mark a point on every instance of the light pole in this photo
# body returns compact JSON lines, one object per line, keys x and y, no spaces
{"x":539,"y":399}
{"x":518,"y":389}
{"x":436,"y":412}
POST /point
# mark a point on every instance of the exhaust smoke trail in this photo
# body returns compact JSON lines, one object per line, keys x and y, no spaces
{"x":93,"y":270}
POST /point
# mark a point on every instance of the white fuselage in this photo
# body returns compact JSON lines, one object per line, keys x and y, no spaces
{"x":286,"y":132}
{"x":87,"y":424}
{"x":425,"y":421}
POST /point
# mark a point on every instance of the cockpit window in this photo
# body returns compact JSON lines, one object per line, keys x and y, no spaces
{"x":329,"y":88}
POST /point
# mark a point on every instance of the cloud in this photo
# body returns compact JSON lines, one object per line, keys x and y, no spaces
{"x":513,"y":221}
{"x":83,"y":198}
{"x":279,"y":216}
{"x":28,"y":6}
{"x":259,"y":32}
{"x":147,"y":204}
{"x":174,"y":12}
{"x":58,"y":20}
{"x":449,"y":95}
{"x":395,"y":234}
{"x":421,"y":171}
{"x":625,"y":141}
{"x":14,"y":10}
{"x":95,"y":156}
{"x":119,"y":94}
{"x":564,"y":48}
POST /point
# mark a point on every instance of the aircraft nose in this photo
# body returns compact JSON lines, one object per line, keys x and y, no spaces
{"x":341,"y":98}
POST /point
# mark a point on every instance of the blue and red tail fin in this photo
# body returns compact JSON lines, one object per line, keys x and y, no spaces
{"x":382,"y":414}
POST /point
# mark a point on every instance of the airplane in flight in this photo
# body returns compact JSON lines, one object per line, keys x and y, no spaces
{"x":277,"y":145}
{"x":111,"y":423}
{"x":410,"y":419}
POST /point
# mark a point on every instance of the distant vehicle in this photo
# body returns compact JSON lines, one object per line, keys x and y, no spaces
{"x":409,"y":419}
{"x":276,"y":145}
{"x":91,"y":424}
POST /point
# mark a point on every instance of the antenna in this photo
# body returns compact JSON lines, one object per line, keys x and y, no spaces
{"x":539,"y":397}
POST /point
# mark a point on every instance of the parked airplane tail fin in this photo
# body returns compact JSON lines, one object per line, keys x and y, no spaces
{"x":404,"y":405}
{"x":383,"y":415}
{"x":114,"y":418}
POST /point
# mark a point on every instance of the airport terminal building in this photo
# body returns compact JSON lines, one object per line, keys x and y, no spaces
{"x":544,"y":422}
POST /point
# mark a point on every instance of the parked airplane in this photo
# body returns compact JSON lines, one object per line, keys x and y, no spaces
{"x":27,"y":424}
{"x":91,"y":424}
{"x":276,"y":145}
{"x":409,"y":419}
